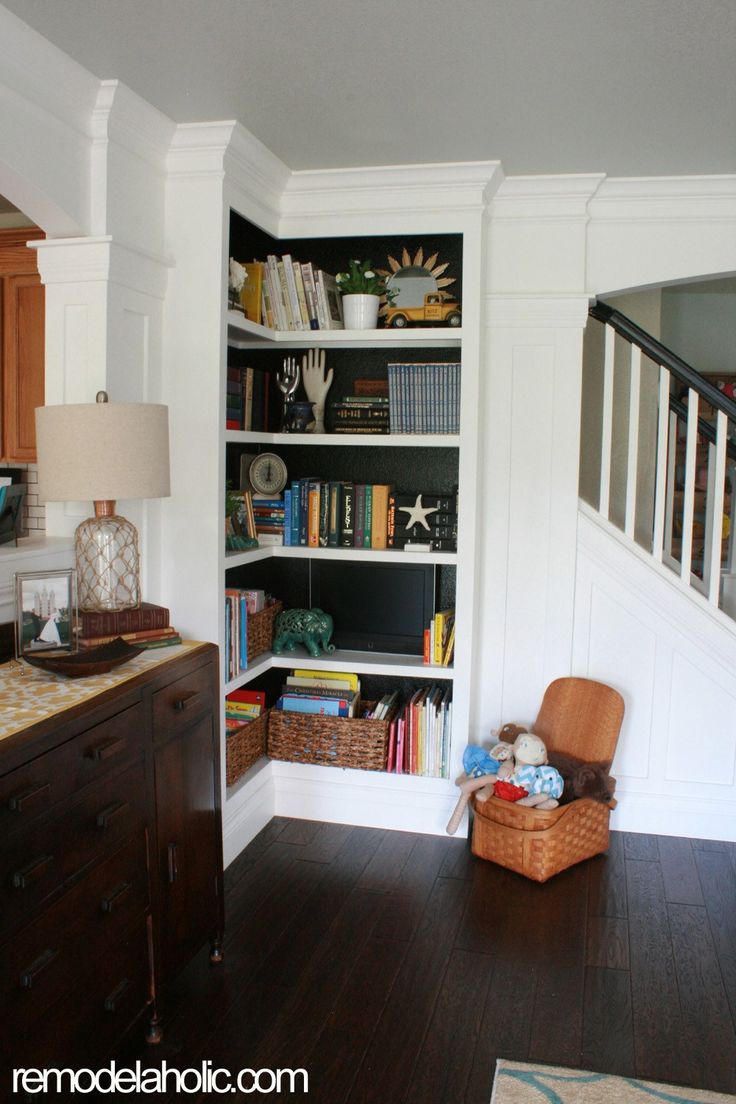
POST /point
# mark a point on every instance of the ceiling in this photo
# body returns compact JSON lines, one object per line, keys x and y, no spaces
{"x":626,"y":87}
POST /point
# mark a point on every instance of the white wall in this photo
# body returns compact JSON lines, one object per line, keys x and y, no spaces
{"x":674,"y":661}
{"x":699,"y":324}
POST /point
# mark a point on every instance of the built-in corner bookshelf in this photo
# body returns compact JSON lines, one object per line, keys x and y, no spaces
{"x":439,"y":218}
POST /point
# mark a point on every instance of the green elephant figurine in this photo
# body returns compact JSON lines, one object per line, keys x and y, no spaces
{"x":310,"y":627}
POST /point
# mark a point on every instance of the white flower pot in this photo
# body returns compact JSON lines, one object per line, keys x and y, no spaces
{"x":360,"y":312}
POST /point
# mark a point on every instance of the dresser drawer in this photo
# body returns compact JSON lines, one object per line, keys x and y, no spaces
{"x":60,"y":949}
{"x":30,"y":791}
{"x":181,"y":702}
{"x":91,"y":1018}
{"x":38,"y":861}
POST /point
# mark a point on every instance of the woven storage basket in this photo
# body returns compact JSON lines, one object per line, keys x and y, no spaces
{"x":243,"y":746}
{"x":580,"y":717}
{"x":539,"y":842}
{"x":260,"y":629}
{"x":330,"y":741}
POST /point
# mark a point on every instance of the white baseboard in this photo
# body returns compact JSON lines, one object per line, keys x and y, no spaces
{"x":670,"y":815}
{"x":370,"y":799}
{"x":247,"y":811}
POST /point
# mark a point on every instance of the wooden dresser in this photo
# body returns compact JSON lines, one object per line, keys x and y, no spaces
{"x":110,"y":859}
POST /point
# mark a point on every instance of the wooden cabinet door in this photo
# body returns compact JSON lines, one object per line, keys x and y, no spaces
{"x":189,"y":845}
{"x":23,"y":364}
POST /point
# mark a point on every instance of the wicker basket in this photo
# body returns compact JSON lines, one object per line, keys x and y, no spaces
{"x":539,"y":842}
{"x":330,"y":741}
{"x":260,"y":629}
{"x":244,"y":746}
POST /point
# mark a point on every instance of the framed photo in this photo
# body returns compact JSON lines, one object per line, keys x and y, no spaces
{"x":45,"y":612}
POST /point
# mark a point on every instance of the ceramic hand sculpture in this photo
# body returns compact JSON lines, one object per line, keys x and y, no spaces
{"x":287,"y":381}
{"x":316,"y":384}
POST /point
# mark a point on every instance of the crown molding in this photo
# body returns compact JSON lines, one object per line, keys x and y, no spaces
{"x":665,"y":199}
{"x":40,"y":72}
{"x":458,"y":187}
{"x":122,"y":117}
{"x":93,"y":260}
{"x":548,"y":198}
{"x":548,"y":311}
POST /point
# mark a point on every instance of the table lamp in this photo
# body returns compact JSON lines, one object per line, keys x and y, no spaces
{"x":104,"y":451}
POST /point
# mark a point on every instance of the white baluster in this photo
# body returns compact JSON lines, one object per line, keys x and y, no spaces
{"x":669,"y":515}
{"x":714,"y":510}
{"x":663,"y":420}
{"x":607,"y":426}
{"x":633,"y":456}
{"x":688,"y":504}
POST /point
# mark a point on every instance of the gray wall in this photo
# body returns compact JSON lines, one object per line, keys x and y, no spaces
{"x":699,"y":324}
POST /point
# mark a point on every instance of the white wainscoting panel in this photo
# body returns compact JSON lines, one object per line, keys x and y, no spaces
{"x":674,"y":660}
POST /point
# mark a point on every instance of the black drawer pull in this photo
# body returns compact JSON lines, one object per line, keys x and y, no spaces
{"x":110,"y":813}
{"x":188,"y":702}
{"x":106,"y":749}
{"x":112,"y":1002}
{"x":20,"y":803}
{"x":173,"y":863}
{"x":36,"y":968}
{"x":108,"y":904}
{"x":35,"y":869}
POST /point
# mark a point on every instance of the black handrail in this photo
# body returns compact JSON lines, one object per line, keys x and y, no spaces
{"x":669,"y":360}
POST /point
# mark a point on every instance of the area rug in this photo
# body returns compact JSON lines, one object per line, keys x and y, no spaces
{"x":519,"y":1083}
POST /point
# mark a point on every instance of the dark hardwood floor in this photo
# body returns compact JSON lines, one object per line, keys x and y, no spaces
{"x":396,"y":968}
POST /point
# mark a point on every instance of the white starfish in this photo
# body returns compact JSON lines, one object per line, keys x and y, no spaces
{"x":418,"y":513}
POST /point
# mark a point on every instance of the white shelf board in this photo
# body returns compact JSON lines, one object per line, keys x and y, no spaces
{"x":257,"y":666}
{"x":374,"y":663}
{"x":243,"y":334}
{"x":301,"y":552}
{"x":370,"y":440}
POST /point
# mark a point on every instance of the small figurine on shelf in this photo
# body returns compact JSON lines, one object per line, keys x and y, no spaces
{"x":316,"y":384}
{"x":287,"y":381}
{"x":310,"y":627}
{"x":237,"y":277}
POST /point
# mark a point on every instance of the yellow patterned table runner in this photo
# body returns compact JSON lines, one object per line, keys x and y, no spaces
{"x":34,"y":695}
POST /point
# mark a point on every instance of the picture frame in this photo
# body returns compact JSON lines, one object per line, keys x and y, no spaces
{"x":45,"y":612}
{"x":11,"y":505}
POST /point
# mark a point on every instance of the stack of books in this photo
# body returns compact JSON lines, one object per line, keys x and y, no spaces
{"x":336,"y":514}
{"x":243,"y":706}
{"x":324,"y":693}
{"x":146,"y":626}
{"x":297,"y":296}
{"x":269,"y":514}
{"x":424,"y":398}
{"x":439,"y":639}
{"x":436,"y":527}
{"x":419,"y":734}
{"x":360,"y":414}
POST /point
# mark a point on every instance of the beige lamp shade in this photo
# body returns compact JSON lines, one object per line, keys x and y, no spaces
{"x":102,"y":451}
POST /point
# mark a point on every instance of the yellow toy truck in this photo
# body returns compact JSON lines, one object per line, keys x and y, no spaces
{"x":437,"y":307}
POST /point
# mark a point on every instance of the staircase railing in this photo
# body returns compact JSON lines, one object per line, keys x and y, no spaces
{"x":692,"y":520}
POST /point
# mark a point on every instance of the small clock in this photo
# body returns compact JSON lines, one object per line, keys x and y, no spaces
{"x":267,"y":474}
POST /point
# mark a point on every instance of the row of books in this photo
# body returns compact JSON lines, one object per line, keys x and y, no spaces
{"x":420,"y":732}
{"x":284,"y":294}
{"x":360,"y":414}
{"x":424,"y":398}
{"x":239,"y":602}
{"x":242,"y":707}
{"x":146,"y":626}
{"x":439,"y":639}
{"x":253,"y":402}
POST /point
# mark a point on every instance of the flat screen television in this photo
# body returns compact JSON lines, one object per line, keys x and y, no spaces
{"x":376,"y":607}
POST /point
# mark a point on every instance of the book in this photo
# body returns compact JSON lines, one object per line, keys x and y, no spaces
{"x":130,"y":638}
{"x":379,"y":526}
{"x":250,"y":293}
{"x":334,"y":520}
{"x":296,"y":703}
{"x":164,"y":642}
{"x":319,"y":683}
{"x":115,"y":622}
{"x":344,"y":676}
{"x":347,"y":521}
{"x":443,"y":622}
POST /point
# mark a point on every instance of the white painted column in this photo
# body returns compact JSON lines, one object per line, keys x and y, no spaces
{"x":529,"y":477}
{"x":104,"y":307}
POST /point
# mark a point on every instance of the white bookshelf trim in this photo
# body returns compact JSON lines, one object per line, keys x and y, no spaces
{"x":351,"y":440}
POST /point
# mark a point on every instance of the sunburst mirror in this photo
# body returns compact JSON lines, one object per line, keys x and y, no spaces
{"x":411,"y":278}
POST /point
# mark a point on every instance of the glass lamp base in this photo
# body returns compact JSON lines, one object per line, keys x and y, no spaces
{"x":108,"y":564}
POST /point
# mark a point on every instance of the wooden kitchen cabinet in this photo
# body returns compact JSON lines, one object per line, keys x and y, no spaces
{"x":22,"y":363}
{"x":110,"y":861}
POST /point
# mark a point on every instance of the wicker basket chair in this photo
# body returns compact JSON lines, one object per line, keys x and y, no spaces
{"x":579,"y":717}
